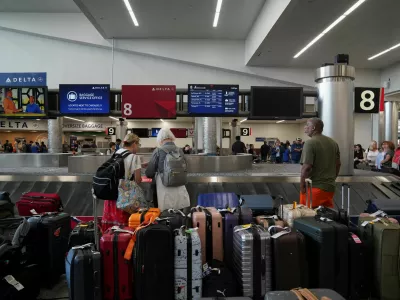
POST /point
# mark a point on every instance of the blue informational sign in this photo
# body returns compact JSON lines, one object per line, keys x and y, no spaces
{"x":84,"y":99}
{"x":23,"y":79}
{"x":154,"y":132}
{"x":261,"y":139}
{"x":213,"y":99}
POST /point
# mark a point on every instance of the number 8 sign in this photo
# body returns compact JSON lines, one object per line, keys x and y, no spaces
{"x":367,"y":100}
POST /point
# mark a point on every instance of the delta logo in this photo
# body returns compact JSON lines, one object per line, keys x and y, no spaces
{"x":57,"y":232}
{"x":162,"y":89}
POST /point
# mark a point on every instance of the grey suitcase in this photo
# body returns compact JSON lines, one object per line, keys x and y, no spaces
{"x":288,"y":295}
{"x":188,"y":266}
{"x":83,"y":272}
{"x":252,"y":260}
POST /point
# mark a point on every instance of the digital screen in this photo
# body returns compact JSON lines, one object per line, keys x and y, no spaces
{"x":23,"y":102}
{"x":149,"y":101}
{"x":179,"y":133}
{"x":140,"y":132}
{"x":78,"y":99}
{"x":276,"y":103}
{"x":213,"y":99}
{"x":154,"y":132}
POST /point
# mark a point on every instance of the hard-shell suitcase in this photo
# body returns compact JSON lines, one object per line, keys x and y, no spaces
{"x":259,"y":204}
{"x":232,"y":218}
{"x":188,"y":266}
{"x":290,"y":212}
{"x":390,"y":206}
{"x":326,"y":239}
{"x":84,"y":273}
{"x":218,"y":200}
{"x":219,"y":281}
{"x":209,"y":223}
{"x":47,"y":241}
{"x":174,"y":219}
{"x":385,"y":238}
{"x":289,"y":264}
{"x":267,"y":221}
{"x":341,"y":215}
{"x":82,"y":234}
{"x":252,"y":260}
{"x":290,"y":295}
{"x":154,"y":264}
{"x":117,"y":272}
{"x":143,"y":216}
{"x":37,"y":203}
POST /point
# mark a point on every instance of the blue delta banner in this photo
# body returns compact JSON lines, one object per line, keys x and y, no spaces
{"x":84,"y":99}
{"x":23,"y":79}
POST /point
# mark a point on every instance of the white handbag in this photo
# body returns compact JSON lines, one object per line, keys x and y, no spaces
{"x":171,"y":197}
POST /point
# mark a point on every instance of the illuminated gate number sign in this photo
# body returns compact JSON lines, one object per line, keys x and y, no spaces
{"x":367,"y":100}
{"x":245,"y":131}
{"x":110,"y":130}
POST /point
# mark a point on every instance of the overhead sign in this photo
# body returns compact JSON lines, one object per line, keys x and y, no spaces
{"x":245,"y":131}
{"x":84,"y":99}
{"x":179,"y":132}
{"x":111,"y":130}
{"x":18,"y":125}
{"x":261,"y":139}
{"x":368,"y":100}
{"x":148,"y":101}
{"x":155,"y":131}
{"x":27,"y":102}
{"x":85,"y":126}
{"x":23,"y":79}
{"x":190,"y":132}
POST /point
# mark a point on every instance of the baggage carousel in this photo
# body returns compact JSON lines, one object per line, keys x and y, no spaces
{"x":75,"y":190}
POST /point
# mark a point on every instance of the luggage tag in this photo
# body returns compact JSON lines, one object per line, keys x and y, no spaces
{"x":365,"y":223}
{"x":90,"y":245}
{"x":323,"y":219}
{"x":275,"y":217}
{"x":377,"y":213}
{"x":206,"y":270}
{"x":174,"y":211}
{"x":12,"y":281}
{"x":243,"y":227}
{"x":281,"y":233}
{"x":33,"y":212}
{"x":355,"y":238}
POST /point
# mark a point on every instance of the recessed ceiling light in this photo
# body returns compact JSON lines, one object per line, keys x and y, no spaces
{"x":281,"y":121}
{"x":384,"y":51}
{"x":244,"y":120}
{"x":162,"y":120}
{"x":131,"y":13}
{"x":337,"y":21}
{"x":217,"y":11}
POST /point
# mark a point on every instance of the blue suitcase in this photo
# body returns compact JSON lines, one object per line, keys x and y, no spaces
{"x":259,"y":204}
{"x":218,"y":200}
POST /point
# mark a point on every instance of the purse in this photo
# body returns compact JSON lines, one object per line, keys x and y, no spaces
{"x":131,"y":197}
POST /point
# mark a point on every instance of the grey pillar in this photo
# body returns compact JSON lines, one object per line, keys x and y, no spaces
{"x":235,"y":131}
{"x":336,"y":107}
{"x":198,"y":135}
{"x":391,"y":121}
{"x":54,"y":127}
{"x":122,"y":126}
{"x":210,"y":135}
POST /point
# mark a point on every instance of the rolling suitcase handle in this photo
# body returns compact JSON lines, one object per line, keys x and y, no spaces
{"x":96,"y":232}
{"x":348,"y":201}
{"x":309,"y":193}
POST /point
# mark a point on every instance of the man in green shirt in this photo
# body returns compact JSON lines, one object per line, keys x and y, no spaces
{"x":320,"y":162}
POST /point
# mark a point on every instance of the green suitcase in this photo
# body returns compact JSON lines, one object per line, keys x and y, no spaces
{"x":385,"y":242}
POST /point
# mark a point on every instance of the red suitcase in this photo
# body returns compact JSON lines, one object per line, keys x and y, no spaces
{"x":118,"y":272}
{"x":37,"y":203}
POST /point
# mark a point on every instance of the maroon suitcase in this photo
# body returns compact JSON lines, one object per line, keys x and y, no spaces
{"x":37,"y":203}
{"x":117,"y":272}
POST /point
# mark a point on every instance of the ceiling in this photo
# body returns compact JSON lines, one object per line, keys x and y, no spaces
{"x":371,"y":28}
{"x":186,"y":19}
{"x":39,"y":6}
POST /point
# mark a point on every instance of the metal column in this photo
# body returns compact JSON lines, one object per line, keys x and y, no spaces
{"x":198,"y":135}
{"x":391,"y":121}
{"x":336,"y":106}
{"x":210,"y":135}
{"x":235,"y":131}
{"x":122,"y":127}
{"x":55,"y":135}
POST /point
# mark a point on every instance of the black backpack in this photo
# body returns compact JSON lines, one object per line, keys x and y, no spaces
{"x":106,"y":181}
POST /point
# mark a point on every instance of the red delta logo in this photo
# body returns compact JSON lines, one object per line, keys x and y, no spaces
{"x":57,"y":232}
{"x":162,"y":89}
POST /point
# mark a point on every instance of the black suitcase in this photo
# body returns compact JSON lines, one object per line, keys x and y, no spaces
{"x":289,"y":265}
{"x":341,"y":215}
{"x":47,"y":242}
{"x":219,"y":282}
{"x":82,"y":234}
{"x":327,"y":253}
{"x":6,"y":206}
{"x":174,"y":219}
{"x":153,"y":263}
{"x":83,"y":273}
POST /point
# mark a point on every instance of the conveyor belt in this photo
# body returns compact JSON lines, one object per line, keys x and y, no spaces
{"x":76,"y":192}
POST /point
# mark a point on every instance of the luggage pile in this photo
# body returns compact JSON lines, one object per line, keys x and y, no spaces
{"x":227,"y":247}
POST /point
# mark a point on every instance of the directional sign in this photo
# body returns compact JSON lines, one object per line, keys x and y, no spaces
{"x":368,"y":100}
{"x":190,"y":132}
{"x":245,"y":131}
{"x":111,"y":130}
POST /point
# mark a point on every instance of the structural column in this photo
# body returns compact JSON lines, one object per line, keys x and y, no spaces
{"x":336,"y":109}
{"x":55,"y":134}
{"x":198,"y":135}
{"x":210,"y":135}
{"x":391,"y":121}
{"x":122,"y":126}
{"x":235,"y":131}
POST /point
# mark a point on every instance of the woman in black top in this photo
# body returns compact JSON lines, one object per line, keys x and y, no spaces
{"x":358,"y":154}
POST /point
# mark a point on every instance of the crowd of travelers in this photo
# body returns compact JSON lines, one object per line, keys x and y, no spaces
{"x":21,"y":146}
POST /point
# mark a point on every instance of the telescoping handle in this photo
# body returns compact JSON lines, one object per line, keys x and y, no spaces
{"x":96,"y":231}
{"x":309,"y":193}
{"x":348,"y":197}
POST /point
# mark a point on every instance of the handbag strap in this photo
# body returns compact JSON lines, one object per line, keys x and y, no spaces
{"x":128,"y":174}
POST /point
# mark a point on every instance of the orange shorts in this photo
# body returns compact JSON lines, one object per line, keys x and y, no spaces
{"x":319,"y":198}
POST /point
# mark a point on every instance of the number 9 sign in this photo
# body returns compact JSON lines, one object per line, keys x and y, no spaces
{"x":111,"y":131}
{"x":367,"y":100}
{"x":245,"y":131}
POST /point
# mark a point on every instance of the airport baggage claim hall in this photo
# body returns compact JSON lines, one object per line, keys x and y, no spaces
{"x":244,"y":88}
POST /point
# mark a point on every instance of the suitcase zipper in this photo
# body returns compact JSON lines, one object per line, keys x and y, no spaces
{"x":189,"y":265}
{"x":115,"y":260}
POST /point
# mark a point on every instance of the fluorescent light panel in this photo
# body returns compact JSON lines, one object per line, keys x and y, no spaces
{"x":281,"y":121}
{"x":217,"y":12}
{"x":74,"y":119}
{"x":116,"y":119}
{"x":384,"y":51}
{"x":244,"y":120}
{"x":329,"y":28}
{"x":162,"y":120}
{"x":131,"y":13}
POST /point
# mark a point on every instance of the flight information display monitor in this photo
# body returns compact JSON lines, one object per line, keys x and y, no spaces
{"x":213,"y":99}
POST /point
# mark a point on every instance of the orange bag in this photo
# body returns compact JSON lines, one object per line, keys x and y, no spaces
{"x":143,"y":217}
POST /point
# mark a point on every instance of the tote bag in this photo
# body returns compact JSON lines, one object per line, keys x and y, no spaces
{"x":171,"y":197}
